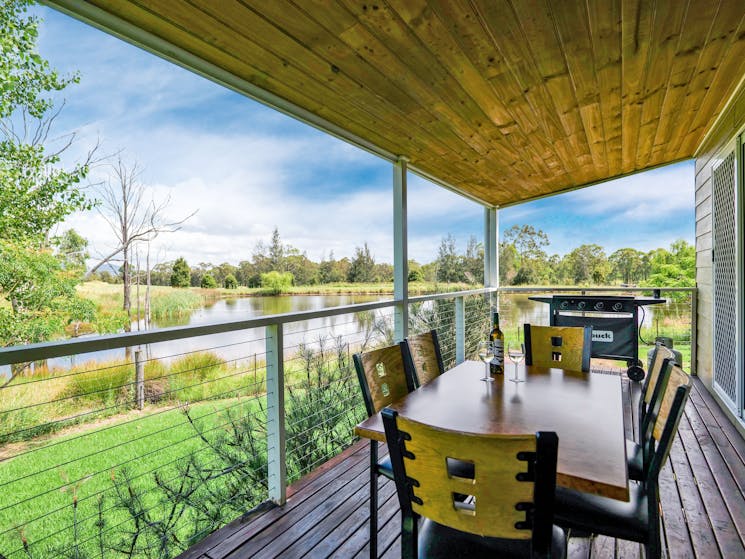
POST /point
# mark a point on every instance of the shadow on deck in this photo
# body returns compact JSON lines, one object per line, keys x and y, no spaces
{"x":326,"y":515}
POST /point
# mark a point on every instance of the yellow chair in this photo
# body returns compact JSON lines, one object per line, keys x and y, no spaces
{"x":423,"y":358}
{"x":383,"y":379}
{"x":503,"y":508}
{"x":563,"y":347}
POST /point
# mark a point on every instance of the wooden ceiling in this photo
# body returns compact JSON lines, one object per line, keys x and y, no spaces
{"x":503,"y":100}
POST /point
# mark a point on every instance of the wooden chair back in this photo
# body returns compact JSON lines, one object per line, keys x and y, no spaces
{"x":513,"y":479}
{"x":565,"y":347}
{"x":660,"y":354}
{"x":383,"y":377}
{"x":672,"y":406}
{"x":423,"y":358}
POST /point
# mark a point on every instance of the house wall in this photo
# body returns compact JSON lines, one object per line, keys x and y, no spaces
{"x":732,"y":122}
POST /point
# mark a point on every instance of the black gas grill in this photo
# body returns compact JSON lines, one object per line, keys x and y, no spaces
{"x":614,"y":321}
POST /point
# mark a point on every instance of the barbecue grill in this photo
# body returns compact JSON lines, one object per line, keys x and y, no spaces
{"x":614,"y":321}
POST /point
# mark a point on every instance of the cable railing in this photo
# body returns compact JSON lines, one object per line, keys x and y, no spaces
{"x":137,"y":443}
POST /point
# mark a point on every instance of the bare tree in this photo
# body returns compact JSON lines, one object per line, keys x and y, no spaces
{"x":132,"y":217}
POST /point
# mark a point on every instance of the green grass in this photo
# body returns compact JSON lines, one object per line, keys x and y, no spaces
{"x":83,"y":465}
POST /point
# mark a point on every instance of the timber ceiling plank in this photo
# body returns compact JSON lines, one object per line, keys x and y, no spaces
{"x":532,"y":26}
{"x":429,"y":28}
{"x":636,"y":28}
{"x":605,"y":32}
{"x":238,"y":24}
{"x":668,"y":22}
{"x":327,"y":45}
{"x":571,"y":20}
{"x":727,"y":72}
{"x":696,"y":26}
{"x":506,"y":100}
{"x":303,"y":91}
{"x":527,"y":126}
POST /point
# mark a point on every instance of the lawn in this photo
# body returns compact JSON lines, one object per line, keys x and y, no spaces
{"x":38,"y":488}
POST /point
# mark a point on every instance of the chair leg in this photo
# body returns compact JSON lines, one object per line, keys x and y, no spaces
{"x":373,"y":499}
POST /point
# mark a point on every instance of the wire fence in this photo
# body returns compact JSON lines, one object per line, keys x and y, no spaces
{"x":144,"y":452}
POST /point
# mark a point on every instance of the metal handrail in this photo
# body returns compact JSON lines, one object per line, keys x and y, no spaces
{"x":48,"y":350}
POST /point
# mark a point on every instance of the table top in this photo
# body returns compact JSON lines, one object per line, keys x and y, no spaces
{"x":584,"y":409}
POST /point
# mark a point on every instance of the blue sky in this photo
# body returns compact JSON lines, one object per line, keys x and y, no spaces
{"x":247,"y":168}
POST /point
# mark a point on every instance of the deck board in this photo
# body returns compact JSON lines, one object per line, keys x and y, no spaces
{"x":326,"y":515}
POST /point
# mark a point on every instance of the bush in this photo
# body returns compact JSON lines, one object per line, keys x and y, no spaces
{"x":230,"y":282}
{"x":208,"y":282}
{"x":276,"y":282}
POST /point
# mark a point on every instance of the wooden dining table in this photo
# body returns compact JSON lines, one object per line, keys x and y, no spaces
{"x":584,"y":409}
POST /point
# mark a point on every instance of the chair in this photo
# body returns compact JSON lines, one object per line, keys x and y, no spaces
{"x":383,"y":380}
{"x":503,"y":509}
{"x":565,"y":347}
{"x":648,"y":409}
{"x":423,"y":358}
{"x":638,"y":519}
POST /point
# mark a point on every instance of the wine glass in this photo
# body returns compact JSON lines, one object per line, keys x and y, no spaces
{"x":486,"y":353}
{"x":516,"y":351}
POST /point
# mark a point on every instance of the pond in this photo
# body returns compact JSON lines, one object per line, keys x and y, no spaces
{"x":671,"y":319}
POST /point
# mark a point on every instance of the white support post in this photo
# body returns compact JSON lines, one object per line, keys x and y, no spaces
{"x":460,"y":330}
{"x":491,"y":248}
{"x":275,"y":421}
{"x":400,"y":251}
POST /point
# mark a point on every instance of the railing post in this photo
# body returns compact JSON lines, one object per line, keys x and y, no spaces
{"x":139,"y":380}
{"x":275,"y":421}
{"x":694,"y":329}
{"x":460,"y":330}
{"x":400,"y":252}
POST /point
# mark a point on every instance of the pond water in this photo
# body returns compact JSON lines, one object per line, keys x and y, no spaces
{"x":672,"y":318}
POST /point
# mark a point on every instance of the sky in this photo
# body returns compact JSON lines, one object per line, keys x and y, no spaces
{"x":246,"y":169}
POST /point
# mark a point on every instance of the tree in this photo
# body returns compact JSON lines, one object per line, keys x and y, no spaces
{"x":276,"y":282}
{"x":37,"y":193}
{"x":131,"y":217}
{"x":72,"y":250}
{"x":277,"y":252}
{"x":586,"y":263}
{"x":531,"y":258}
{"x":208,"y":282}
{"x":230,"y":282}
{"x":448,"y":265}
{"x":627,"y":264}
{"x":362,"y":267}
{"x":181,"y":274}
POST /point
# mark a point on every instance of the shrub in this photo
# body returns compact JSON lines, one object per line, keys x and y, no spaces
{"x":230,"y":282}
{"x":276,"y":282}
{"x":208,"y":282}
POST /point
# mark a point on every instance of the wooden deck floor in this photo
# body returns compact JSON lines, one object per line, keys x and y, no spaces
{"x":326,"y":515}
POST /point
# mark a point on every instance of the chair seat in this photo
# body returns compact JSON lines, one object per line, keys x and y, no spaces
{"x":596,"y":514}
{"x":635,"y":460}
{"x":440,"y":542}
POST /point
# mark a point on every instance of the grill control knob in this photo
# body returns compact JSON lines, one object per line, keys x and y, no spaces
{"x":599,"y":306}
{"x":564,"y":305}
{"x":581,"y":305}
{"x":617,"y":306}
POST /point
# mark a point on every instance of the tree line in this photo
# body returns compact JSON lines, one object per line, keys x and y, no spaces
{"x":522,"y":261}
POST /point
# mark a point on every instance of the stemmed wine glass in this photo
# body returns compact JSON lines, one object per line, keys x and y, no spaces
{"x":486,"y":353}
{"x":516,"y":351}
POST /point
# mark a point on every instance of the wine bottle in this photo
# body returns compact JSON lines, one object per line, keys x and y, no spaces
{"x":496,"y":366}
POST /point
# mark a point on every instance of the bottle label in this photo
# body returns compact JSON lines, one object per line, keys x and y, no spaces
{"x":498,"y":348}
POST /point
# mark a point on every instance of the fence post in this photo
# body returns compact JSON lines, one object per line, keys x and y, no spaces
{"x":275,"y":410}
{"x":139,"y":380}
{"x":694,"y":329}
{"x":460,"y":330}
